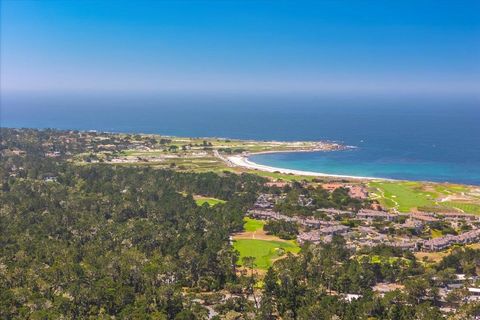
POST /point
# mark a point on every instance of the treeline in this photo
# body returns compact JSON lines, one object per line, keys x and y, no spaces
{"x":283,"y":229}
{"x":304,"y":200}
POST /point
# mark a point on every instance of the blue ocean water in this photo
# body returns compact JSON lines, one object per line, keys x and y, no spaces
{"x":415,"y":138}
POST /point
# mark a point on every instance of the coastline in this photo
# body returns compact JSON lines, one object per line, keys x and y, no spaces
{"x":243,"y":162}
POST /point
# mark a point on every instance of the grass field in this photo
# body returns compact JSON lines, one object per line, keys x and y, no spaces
{"x":264,"y":252}
{"x":407,"y":195}
{"x":436,"y":233}
{"x":402,"y":195}
{"x":252,"y":225}
{"x":264,"y":248}
{"x":211,"y":201}
{"x":465,"y":207}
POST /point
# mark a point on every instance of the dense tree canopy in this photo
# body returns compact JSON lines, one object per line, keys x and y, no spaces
{"x":99,"y":241}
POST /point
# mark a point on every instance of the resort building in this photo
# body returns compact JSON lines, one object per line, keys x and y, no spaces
{"x":325,"y":233}
{"x":448,"y":240}
{"x":423,"y":217}
{"x":264,"y":201}
{"x":366,"y":214}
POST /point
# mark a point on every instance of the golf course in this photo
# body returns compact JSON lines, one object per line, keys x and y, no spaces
{"x":254,"y":242}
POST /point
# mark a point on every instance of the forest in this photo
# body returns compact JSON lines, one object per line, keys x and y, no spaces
{"x":102,"y":241}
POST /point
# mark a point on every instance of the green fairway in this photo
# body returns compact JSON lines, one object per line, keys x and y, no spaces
{"x":210,"y":201}
{"x":252,"y":225}
{"x":263,"y":251}
{"x":407,"y":195}
{"x":465,"y":207}
{"x":403,"y":195}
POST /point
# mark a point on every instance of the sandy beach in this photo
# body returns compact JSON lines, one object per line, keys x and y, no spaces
{"x":244,"y":162}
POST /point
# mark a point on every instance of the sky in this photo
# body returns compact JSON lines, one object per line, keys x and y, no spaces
{"x":241,"y":46}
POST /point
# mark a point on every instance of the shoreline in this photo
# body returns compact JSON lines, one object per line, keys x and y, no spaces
{"x":243,"y":162}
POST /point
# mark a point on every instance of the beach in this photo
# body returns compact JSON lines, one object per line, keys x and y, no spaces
{"x":243,"y":162}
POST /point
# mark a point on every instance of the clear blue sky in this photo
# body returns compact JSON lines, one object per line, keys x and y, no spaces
{"x":241,"y":46}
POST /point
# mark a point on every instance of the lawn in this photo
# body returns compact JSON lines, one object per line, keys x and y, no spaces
{"x":465,"y":207}
{"x":408,"y":195}
{"x":403,"y":195}
{"x":211,"y":201}
{"x":436,"y":233}
{"x":264,"y":251}
{"x":252,"y":225}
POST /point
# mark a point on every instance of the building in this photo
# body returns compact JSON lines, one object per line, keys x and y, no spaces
{"x":411,"y":224}
{"x":459,"y":216}
{"x":264,"y":201}
{"x":278,"y":184}
{"x":405,"y":245}
{"x":264,"y":214}
{"x":312,"y":237}
{"x":448,"y":240}
{"x":439,"y":243}
{"x":333,"y":230}
{"x":331,"y":186}
{"x":324,"y":233}
{"x":423,"y":217}
{"x":366,"y":214}
{"x":474,"y":294}
{"x":358,"y":192}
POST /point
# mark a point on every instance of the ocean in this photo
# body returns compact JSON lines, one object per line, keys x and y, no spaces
{"x":413,"y":138}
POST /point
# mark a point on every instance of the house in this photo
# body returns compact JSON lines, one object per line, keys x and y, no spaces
{"x":278,"y":184}
{"x":264,"y":214}
{"x":312,"y":223}
{"x":333,"y":230}
{"x":366,"y":214}
{"x":405,"y":245}
{"x":264,"y":201}
{"x":304,"y":201}
{"x":324,"y":233}
{"x":312,"y":237}
{"x":458,"y":216}
{"x":52,"y":154}
{"x":384,"y":287}
{"x":474,"y":294}
{"x":468,"y":237}
{"x":427,"y":218}
{"x":439,"y":243}
{"x":107,"y":147}
{"x":331,"y":186}
{"x":411,"y":224}
{"x":358,"y":192}
{"x":351,"y":296}
{"x":50,"y":178}
{"x":448,"y":240}
{"x":334,"y":211}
